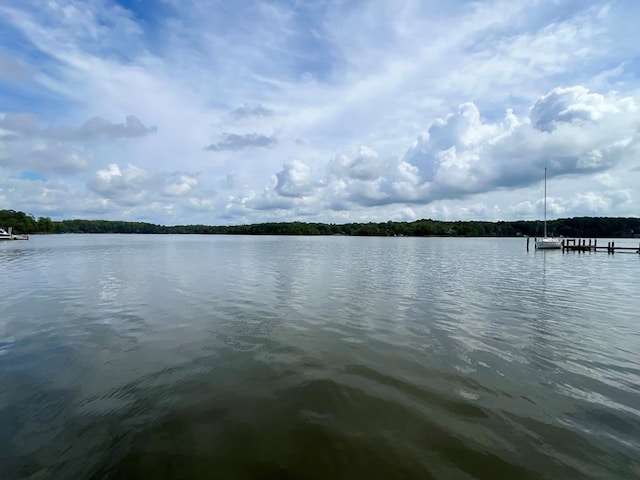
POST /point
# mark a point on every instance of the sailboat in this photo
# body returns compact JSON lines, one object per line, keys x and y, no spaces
{"x":547,"y":242}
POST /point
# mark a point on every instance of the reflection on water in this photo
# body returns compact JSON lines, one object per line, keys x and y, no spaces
{"x":329,"y":357}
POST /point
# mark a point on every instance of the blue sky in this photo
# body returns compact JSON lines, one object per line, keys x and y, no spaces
{"x":215,"y":112}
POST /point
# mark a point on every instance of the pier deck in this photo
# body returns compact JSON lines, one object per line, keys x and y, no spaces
{"x":581,"y":245}
{"x":591,"y":245}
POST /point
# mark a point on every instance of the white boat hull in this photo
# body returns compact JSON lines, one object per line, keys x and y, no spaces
{"x":549,"y":243}
{"x":8,"y":235}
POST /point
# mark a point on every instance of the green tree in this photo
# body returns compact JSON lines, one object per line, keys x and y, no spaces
{"x":45,"y":225}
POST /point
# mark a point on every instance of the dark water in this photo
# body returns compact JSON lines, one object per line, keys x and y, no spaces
{"x":277,"y":357}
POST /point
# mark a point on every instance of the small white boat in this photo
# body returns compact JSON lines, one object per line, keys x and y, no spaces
{"x":547,"y":242}
{"x":8,"y":235}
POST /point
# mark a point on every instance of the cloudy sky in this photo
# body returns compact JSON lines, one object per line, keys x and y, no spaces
{"x":221,"y":112}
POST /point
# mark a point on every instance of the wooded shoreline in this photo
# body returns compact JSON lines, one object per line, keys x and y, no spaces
{"x":602,"y":227}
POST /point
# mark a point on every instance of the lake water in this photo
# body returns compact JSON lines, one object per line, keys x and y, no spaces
{"x":197,"y":357}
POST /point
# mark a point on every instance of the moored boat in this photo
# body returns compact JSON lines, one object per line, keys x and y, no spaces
{"x":547,"y":242}
{"x":8,"y":235}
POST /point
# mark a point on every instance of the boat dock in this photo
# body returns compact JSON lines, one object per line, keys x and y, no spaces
{"x":591,"y":245}
{"x":581,"y":245}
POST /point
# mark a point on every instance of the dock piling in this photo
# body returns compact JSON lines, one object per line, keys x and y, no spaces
{"x":581,"y":245}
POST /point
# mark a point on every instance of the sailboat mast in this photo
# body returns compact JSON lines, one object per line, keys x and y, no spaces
{"x":545,"y":202}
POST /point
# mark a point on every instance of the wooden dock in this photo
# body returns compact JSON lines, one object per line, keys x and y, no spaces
{"x":591,"y":245}
{"x":581,"y":245}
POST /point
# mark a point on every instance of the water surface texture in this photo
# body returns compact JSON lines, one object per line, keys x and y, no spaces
{"x":200,"y":357}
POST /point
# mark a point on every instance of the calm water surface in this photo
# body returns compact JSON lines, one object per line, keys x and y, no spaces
{"x":204,"y":357}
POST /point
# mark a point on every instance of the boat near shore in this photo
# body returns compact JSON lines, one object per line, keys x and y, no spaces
{"x":8,"y":235}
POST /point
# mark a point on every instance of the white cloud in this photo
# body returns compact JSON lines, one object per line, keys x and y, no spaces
{"x":573,"y":104}
{"x":40,"y":195}
{"x":181,"y":186}
{"x":58,"y":150}
{"x":368,"y":179}
{"x":122,"y":186}
{"x":571,"y":130}
{"x":294,"y":180}
{"x":200,"y":203}
{"x":462,"y":154}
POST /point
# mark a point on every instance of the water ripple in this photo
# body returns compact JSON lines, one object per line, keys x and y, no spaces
{"x":251,"y":357}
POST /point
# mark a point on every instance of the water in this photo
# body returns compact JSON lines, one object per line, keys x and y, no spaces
{"x":200,"y":357}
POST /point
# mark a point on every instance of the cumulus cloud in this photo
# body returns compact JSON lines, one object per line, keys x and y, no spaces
{"x":123,"y":186}
{"x":294,"y":180}
{"x":27,"y":125}
{"x":366,"y":165}
{"x":178,"y":187}
{"x":596,"y":203}
{"x":463,"y":154}
{"x":568,"y":105}
{"x":569,"y":130}
{"x":368,"y":179}
{"x":236,"y":142}
{"x":291,"y":191}
{"x":167,"y":192}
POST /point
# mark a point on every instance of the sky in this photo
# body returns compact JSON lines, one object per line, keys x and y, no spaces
{"x":224,"y":113}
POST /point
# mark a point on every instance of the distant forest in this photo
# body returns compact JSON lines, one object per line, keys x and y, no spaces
{"x":568,"y":227}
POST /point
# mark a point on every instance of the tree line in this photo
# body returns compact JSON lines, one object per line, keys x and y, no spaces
{"x":568,"y":227}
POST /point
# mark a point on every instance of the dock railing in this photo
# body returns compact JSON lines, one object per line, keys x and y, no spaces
{"x":582,"y":245}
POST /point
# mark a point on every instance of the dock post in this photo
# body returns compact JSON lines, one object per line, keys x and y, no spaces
{"x":527,"y":244}
{"x":613,"y":248}
{"x":595,"y":244}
